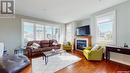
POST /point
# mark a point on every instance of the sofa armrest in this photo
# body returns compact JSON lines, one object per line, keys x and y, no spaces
{"x":88,"y":48}
{"x":96,"y":52}
{"x":29,"y":50}
{"x":58,"y":46}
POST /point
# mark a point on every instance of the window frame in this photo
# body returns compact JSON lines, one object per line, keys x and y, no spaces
{"x":34,"y":28}
{"x":114,"y":28}
{"x":43,"y":31}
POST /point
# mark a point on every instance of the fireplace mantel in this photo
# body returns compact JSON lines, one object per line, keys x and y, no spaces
{"x":87,"y":38}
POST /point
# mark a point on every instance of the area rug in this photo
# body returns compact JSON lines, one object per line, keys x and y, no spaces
{"x":54,"y":64}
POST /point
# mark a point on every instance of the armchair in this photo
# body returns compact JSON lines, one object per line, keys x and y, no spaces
{"x":68,"y":46}
{"x":93,"y":54}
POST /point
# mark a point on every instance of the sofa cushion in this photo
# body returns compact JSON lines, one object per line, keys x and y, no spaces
{"x":41,"y":49}
{"x":86,"y":51}
{"x":46,"y":49}
{"x":44,"y":43}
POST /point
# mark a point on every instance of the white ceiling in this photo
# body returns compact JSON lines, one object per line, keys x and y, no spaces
{"x":62,"y":11}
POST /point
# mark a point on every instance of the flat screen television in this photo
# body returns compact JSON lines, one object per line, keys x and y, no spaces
{"x":83,"y":31}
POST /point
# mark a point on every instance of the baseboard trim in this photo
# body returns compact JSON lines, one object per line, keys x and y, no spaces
{"x":112,"y":60}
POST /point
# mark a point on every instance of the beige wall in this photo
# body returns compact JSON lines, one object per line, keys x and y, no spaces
{"x":122,"y":26}
{"x":11,"y":32}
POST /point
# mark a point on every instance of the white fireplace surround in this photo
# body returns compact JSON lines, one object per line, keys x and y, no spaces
{"x":81,"y":39}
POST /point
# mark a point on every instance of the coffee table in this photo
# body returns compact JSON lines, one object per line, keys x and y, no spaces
{"x":51,"y":53}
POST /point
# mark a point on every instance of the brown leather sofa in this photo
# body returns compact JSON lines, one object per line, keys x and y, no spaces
{"x":45,"y":45}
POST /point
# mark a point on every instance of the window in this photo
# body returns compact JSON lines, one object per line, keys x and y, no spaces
{"x":28,"y":32}
{"x":52,"y":33}
{"x":56,"y":33}
{"x":34,"y":31}
{"x":105,"y":31}
{"x":39,"y":32}
{"x":48,"y":32}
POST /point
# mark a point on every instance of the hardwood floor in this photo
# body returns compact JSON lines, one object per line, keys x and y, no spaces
{"x":84,"y":66}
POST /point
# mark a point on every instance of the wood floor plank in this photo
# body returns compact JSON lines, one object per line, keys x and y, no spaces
{"x":85,"y":66}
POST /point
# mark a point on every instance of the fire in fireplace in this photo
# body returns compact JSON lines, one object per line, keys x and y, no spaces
{"x":81,"y":44}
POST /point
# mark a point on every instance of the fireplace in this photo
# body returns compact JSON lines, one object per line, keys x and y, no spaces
{"x":81,"y":44}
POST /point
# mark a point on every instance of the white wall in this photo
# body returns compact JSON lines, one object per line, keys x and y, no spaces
{"x":84,"y":22}
{"x":11,"y":31}
{"x":123,"y":26}
{"x":72,"y":32}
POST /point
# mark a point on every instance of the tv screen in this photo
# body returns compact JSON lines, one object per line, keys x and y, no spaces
{"x":82,"y":31}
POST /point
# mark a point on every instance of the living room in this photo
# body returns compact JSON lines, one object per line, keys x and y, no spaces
{"x":83,"y":36}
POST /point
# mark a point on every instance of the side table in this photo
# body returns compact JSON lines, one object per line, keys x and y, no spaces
{"x":20,"y":51}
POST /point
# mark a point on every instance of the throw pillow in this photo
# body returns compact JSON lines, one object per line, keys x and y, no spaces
{"x":95,"y":47}
{"x":69,"y":43}
{"x":55,"y":43}
{"x":35,"y":46}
